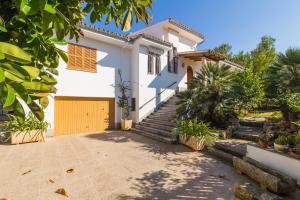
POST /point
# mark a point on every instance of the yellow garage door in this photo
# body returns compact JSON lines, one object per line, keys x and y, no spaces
{"x":83,"y":115}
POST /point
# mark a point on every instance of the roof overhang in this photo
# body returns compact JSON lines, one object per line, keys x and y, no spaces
{"x":201,"y":55}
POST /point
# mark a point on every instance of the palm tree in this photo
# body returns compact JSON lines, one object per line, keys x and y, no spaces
{"x":209,"y":97}
{"x":283,"y":77}
{"x":284,"y":74}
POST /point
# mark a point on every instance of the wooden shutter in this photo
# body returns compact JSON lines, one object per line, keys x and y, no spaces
{"x":82,"y":58}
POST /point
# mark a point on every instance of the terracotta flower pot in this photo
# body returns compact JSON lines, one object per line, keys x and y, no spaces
{"x":126,"y":124}
{"x":263,"y":144}
{"x":294,"y":155}
{"x":280,"y":148}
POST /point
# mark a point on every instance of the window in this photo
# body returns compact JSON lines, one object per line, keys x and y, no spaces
{"x":157,"y":64}
{"x":173,"y":60}
{"x":150,"y":63}
{"x":81,"y":58}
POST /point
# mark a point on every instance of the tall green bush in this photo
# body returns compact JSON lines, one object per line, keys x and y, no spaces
{"x":210,"y":96}
{"x":283,"y":81}
{"x":248,"y":90}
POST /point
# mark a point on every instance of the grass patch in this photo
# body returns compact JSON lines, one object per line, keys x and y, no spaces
{"x":268,"y":114}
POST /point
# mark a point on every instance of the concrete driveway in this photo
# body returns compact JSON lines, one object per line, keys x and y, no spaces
{"x":112,"y":165}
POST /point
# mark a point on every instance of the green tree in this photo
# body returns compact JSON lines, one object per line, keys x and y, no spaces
{"x":210,"y":96}
{"x":283,"y":80}
{"x":264,"y":55}
{"x":248,"y":90}
{"x":29,"y":32}
{"x":224,"y":49}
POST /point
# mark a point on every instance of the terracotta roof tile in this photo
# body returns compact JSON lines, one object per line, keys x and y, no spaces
{"x":122,"y":37}
{"x":180,"y":25}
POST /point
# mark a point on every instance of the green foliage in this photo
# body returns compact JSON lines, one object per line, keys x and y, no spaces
{"x":197,"y":129}
{"x":264,"y":138}
{"x":293,"y":102}
{"x":210,"y":96}
{"x":283,"y":81}
{"x":258,"y":60}
{"x":264,"y":55}
{"x":224,"y":49}
{"x":248,"y":90}
{"x":29,"y":33}
{"x":30,"y":123}
{"x":123,"y":101}
{"x":297,"y":138}
{"x":282,"y":140}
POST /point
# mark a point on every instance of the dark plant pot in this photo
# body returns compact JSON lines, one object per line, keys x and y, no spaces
{"x":294,"y":155}
{"x":263,"y":144}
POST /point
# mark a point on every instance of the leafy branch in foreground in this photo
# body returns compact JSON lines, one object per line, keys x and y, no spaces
{"x":30,"y":31}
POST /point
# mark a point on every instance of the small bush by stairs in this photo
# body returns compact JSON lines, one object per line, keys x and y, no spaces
{"x":159,"y":125}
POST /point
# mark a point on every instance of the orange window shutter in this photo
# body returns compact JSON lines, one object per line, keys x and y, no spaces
{"x":93,"y":59}
{"x":71,"y":56}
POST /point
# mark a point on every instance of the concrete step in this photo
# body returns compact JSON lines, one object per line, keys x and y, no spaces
{"x":220,"y":154}
{"x":168,"y":108}
{"x":252,"y":122}
{"x":235,"y":147}
{"x":155,"y":130}
{"x":248,"y":133}
{"x":154,"y":136}
{"x":171,"y":112}
{"x":158,"y":121}
{"x":159,"y":126}
{"x":161,"y":117}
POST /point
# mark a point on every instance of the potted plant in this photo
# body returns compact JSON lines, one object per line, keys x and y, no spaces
{"x":263,"y":141}
{"x":195,"y":134}
{"x":281,"y":143}
{"x":295,"y":152}
{"x":25,"y":131}
{"x":123,"y":103}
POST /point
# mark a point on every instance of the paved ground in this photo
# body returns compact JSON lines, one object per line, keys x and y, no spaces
{"x":113,"y":165}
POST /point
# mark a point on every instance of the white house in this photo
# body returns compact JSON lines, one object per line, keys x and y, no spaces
{"x":156,"y":61}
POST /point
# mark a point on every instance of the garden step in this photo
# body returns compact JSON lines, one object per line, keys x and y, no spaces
{"x":155,"y":136}
{"x":158,"y":121}
{"x":235,"y":147}
{"x":220,"y":154}
{"x":160,"y":126}
{"x":255,"y":122}
{"x":155,"y":130}
{"x":165,"y":112}
{"x":248,"y":133}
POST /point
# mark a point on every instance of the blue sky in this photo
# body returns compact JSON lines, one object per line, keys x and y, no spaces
{"x":239,"y":22}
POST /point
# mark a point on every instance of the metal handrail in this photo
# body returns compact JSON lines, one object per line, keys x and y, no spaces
{"x":157,"y":95}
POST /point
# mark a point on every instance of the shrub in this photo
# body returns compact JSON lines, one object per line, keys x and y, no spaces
{"x":282,"y":140}
{"x":297,"y":138}
{"x":248,"y":90}
{"x":264,"y":138}
{"x":282,"y":80}
{"x":209,"y":97}
{"x":199,"y":129}
{"x":30,"y":123}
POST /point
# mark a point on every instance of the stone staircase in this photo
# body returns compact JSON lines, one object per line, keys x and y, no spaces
{"x":247,"y":133}
{"x":159,"y":125}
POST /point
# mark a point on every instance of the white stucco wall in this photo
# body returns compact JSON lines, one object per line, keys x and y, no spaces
{"x":110,"y":58}
{"x":151,"y":85}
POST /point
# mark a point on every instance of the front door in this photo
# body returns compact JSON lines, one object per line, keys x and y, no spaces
{"x":190,"y":75}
